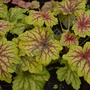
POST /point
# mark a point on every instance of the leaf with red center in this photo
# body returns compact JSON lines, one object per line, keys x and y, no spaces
{"x":30,"y":64}
{"x":69,"y":39}
{"x":68,"y":7}
{"x":38,"y":18}
{"x":5,"y":26}
{"x":79,"y":59}
{"x":8,"y":56}
{"x":40,"y":43}
{"x":82,"y":26}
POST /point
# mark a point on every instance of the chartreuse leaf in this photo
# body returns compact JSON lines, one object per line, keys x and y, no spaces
{"x":16,"y":13}
{"x":8,"y":56}
{"x":38,"y":18}
{"x":3,"y":10}
{"x":39,"y":42}
{"x":19,"y":28}
{"x":28,"y":81}
{"x":28,"y":63}
{"x":70,"y":6}
{"x":82,"y":26}
{"x":68,"y":39}
{"x":5,"y":26}
{"x":79,"y":59}
{"x":71,"y":77}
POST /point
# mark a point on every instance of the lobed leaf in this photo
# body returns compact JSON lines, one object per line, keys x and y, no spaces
{"x":70,"y":7}
{"x":40,"y":43}
{"x":68,"y":39}
{"x":71,"y":77}
{"x":8,"y":56}
{"x":3,"y":10}
{"x":82,"y":26}
{"x":79,"y":59}
{"x":38,"y":18}
{"x":28,"y":81}
{"x":28,"y":63}
{"x":5,"y":26}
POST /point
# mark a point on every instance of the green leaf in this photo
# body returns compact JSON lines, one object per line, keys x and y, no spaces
{"x":8,"y":56}
{"x":18,"y":28}
{"x":28,"y":81}
{"x":71,"y":77}
{"x":79,"y":59}
{"x":38,"y":18}
{"x":3,"y":10}
{"x":16,"y":13}
{"x":5,"y":26}
{"x":28,"y":63}
{"x":40,"y":42}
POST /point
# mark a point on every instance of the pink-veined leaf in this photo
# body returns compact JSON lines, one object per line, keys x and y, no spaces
{"x":6,"y":1}
{"x":40,"y":43}
{"x":38,"y":18}
{"x":79,"y":59}
{"x":82,"y":26}
{"x":30,"y":64}
{"x":68,"y":39}
{"x":69,"y":6}
{"x":15,"y":1}
{"x":48,"y":6}
{"x":8,"y":56}
{"x":5,"y":26}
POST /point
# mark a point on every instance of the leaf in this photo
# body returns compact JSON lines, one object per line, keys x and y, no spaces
{"x":18,"y":28}
{"x":16,"y":13}
{"x":28,"y":81}
{"x":48,"y":6}
{"x":40,"y":43}
{"x":5,"y":26}
{"x":8,"y":56}
{"x":68,"y":39}
{"x":70,"y":7}
{"x":82,"y":26}
{"x":35,"y":5}
{"x":3,"y":10}
{"x":24,"y":4}
{"x":38,"y":18}
{"x":79,"y":59}
{"x":71,"y":77}
{"x":67,"y":20}
{"x":28,"y":63}
{"x":6,"y":1}
{"x":15,"y":1}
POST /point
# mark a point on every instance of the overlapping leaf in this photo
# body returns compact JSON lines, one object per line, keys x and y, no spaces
{"x":28,"y":81}
{"x":82,"y":26}
{"x":40,"y":43}
{"x":8,"y":56}
{"x":69,"y":6}
{"x":3,"y":10}
{"x":69,"y":39}
{"x":79,"y":59}
{"x":16,"y":13}
{"x":5,"y":26}
{"x":28,"y":63}
{"x":38,"y":18}
{"x":71,"y":77}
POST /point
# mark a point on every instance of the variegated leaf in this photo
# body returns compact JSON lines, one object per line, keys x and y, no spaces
{"x":40,"y":43}
{"x":8,"y":56}
{"x":38,"y":18}
{"x":82,"y":26}
{"x":79,"y":59}
{"x":68,"y":39}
